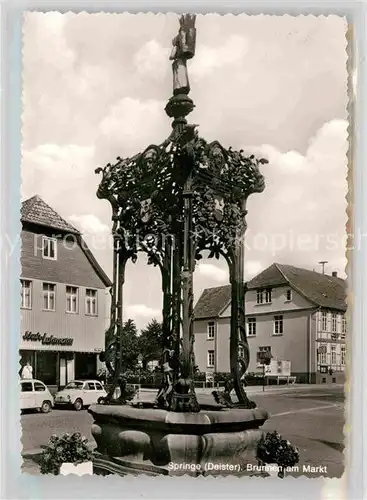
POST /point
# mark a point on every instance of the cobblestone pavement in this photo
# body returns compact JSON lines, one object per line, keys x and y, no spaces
{"x":311,"y":417}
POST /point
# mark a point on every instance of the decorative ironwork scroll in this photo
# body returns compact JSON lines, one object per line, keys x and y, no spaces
{"x":173,"y":201}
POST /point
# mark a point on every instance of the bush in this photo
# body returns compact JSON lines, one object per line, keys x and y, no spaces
{"x":199,"y":377}
{"x":221,"y":377}
{"x":273,"y":449}
{"x":65,"y":449}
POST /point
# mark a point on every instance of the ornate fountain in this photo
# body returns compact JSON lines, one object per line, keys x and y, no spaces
{"x":174,"y":201}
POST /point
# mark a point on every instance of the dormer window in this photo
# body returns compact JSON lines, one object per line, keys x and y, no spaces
{"x":288,"y":295}
{"x":49,"y":248}
{"x":263,"y":296}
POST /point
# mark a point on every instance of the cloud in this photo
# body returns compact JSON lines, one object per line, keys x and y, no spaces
{"x":151,"y":60}
{"x":213,"y":272}
{"x":89,"y":223}
{"x":301,"y":215}
{"x":53,"y":170}
{"x":252,"y":267}
{"x":208,"y":59}
{"x":130,"y":126}
{"x":142,"y":311}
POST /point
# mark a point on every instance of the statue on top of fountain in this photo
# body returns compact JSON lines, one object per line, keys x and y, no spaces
{"x":183,"y":49}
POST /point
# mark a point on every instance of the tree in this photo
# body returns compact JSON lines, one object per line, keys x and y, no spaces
{"x":150,"y":342}
{"x":130,"y":345}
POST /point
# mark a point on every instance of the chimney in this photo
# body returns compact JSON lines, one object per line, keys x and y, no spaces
{"x":334,"y":274}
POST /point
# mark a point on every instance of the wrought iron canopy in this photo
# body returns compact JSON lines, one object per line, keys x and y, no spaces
{"x":146,"y":192}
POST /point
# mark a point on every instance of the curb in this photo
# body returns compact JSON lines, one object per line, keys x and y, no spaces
{"x":254,"y":389}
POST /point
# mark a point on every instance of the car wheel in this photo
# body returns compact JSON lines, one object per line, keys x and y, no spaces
{"x":46,"y":407}
{"x":78,"y":405}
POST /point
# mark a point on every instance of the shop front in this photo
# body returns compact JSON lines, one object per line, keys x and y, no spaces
{"x":56,"y":369}
{"x":54,"y":361}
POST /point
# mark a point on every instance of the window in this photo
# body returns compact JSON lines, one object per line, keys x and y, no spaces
{"x":210,"y":359}
{"x":49,"y":248}
{"x":241,"y":352}
{"x":321,"y":354}
{"x":343,"y":354}
{"x":90,"y":386}
{"x":260,"y":353}
{"x":91,"y":302}
{"x":27,"y":387}
{"x":333,"y":323}
{"x":26,"y":294}
{"x":74,"y":385}
{"x":288,"y":295}
{"x":324,"y":321}
{"x":49,"y":297}
{"x":72,"y":299}
{"x":263,"y":296}
{"x":251,"y":327}
{"x":99,"y":386}
{"x":333,"y":354}
{"x":39,"y":387}
{"x":344,"y":327}
{"x":211,"y":330}
{"x":278,"y":325}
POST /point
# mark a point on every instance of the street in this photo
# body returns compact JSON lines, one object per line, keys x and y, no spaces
{"x":311,"y":418}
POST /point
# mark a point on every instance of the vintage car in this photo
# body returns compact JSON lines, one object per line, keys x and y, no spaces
{"x":80,"y":393}
{"x":34,"y":394}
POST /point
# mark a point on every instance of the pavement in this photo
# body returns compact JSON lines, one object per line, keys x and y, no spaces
{"x":310,"y":416}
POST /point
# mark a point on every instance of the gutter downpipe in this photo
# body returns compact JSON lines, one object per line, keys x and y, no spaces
{"x":310,"y":341}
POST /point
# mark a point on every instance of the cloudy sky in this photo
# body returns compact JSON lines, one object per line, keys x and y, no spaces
{"x":95,"y":87}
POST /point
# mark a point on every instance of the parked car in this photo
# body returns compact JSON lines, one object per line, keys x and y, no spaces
{"x":80,"y":393}
{"x":34,"y":394}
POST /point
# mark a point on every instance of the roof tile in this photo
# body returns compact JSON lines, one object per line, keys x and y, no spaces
{"x":36,"y":211}
{"x":320,"y":289}
{"x":212,"y":301}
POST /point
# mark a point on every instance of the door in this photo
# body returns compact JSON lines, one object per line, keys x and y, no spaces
{"x":70,"y":365}
{"x":27,"y":398}
{"x":63,"y":381}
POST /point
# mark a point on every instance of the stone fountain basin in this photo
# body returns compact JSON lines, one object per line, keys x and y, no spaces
{"x":218,"y":441}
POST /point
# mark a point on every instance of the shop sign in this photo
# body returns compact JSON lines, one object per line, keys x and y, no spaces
{"x":46,"y":339}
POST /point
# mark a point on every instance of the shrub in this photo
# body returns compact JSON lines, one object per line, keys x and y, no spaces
{"x":64,"y":449}
{"x":273,"y":449}
{"x":199,"y":377}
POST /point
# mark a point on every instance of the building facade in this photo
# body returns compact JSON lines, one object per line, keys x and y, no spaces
{"x":63,"y":298}
{"x":296,"y":314}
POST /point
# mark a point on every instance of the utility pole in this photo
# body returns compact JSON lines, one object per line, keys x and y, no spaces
{"x":323,"y":262}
